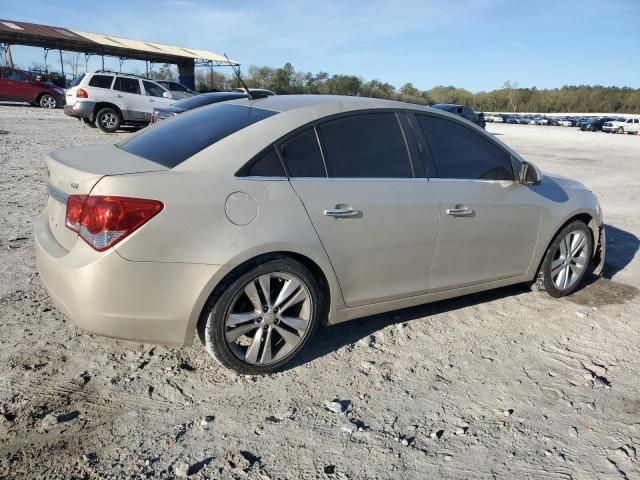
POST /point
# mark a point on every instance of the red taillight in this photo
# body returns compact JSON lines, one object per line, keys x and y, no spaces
{"x":74,"y":209}
{"x":103,"y":221}
{"x":80,"y":93}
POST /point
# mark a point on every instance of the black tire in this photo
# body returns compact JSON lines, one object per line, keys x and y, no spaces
{"x":108,"y":120}
{"x":211,"y":327}
{"x":48,"y":101}
{"x":620,"y":130}
{"x":89,"y":123}
{"x":544,"y":281}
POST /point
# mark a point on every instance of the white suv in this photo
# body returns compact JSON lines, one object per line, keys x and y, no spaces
{"x":108,"y":100}
{"x":630,"y":125}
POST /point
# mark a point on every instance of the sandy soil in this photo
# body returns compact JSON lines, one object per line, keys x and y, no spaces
{"x":505,"y":384}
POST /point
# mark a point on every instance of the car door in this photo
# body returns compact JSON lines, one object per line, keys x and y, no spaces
{"x":18,"y":86}
{"x":377,"y":221}
{"x":488,"y":221}
{"x":5,"y":91}
{"x":134,"y":105}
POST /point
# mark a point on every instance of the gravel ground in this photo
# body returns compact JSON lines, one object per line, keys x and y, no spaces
{"x":504,"y":384}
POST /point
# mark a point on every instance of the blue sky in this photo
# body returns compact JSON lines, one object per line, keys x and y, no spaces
{"x":473,"y":44}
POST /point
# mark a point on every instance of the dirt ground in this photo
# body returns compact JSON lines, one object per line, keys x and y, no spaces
{"x":504,"y":384}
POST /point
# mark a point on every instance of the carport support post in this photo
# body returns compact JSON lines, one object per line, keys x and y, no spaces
{"x":186,"y":74}
{"x":238,"y":76}
{"x":64,"y":79}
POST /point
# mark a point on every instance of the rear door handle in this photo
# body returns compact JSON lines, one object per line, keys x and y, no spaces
{"x":459,"y":212}
{"x":341,"y":212}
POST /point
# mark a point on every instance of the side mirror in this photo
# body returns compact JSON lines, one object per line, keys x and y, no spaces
{"x":529,"y":174}
{"x":167,"y":95}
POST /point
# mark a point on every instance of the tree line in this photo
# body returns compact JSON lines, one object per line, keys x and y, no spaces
{"x":508,"y":98}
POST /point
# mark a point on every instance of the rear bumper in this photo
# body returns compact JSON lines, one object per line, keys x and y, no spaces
{"x":80,"y":109}
{"x":110,"y":296}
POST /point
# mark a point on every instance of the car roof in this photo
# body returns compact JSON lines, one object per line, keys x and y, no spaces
{"x":283,"y":103}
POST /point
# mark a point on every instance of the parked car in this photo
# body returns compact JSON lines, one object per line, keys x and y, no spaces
{"x":20,"y":86}
{"x":221,"y":222}
{"x":629,"y":125}
{"x":594,"y":125}
{"x":462,"y":111}
{"x":178,"y":91}
{"x":109,"y":100}
{"x":263,"y":92}
{"x":162,"y":113}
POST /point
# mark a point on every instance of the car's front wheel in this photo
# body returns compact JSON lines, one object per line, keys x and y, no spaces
{"x":108,"y":120}
{"x":567,"y":260}
{"x":262,"y":319}
{"x":48,"y":101}
{"x":620,"y":130}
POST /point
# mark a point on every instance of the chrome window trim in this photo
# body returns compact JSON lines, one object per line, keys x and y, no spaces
{"x":57,"y":194}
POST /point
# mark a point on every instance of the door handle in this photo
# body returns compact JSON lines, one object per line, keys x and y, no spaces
{"x":459,"y":212}
{"x":118,"y":95}
{"x":341,"y":212}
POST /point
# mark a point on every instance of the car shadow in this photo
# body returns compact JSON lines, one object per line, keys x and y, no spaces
{"x":332,"y":338}
{"x":620,"y":252}
{"x":621,"y":249}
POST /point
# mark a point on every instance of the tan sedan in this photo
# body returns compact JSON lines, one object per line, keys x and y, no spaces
{"x":252,"y":222}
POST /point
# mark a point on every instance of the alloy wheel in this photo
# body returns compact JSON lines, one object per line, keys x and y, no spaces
{"x":48,"y":101}
{"x":108,"y":120}
{"x":268,"y":318}
{"x":570,"y":260}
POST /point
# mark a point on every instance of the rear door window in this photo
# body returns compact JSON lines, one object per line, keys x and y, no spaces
{"x":127,"y":85}
{"x":366,"y":146}
{"x":459,"y":152}
{"x":172,"y":142}
{"x":101,"y":81}
{"x":302,"y":156}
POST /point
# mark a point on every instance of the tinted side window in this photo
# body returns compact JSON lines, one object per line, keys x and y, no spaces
{"x":101,"y":81}
{"x":459,"y":152}
{"x":302,"y":155}
{"x":266,"y":165}
{"x":196,"y":130}
{"x":128,"y":85}
{"x":369,"y":146}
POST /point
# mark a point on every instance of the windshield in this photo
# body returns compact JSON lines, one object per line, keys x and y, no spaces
{"x":77,"y":80}
{"x":171,"y":142}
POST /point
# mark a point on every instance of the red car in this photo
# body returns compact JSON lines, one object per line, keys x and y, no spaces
{"x":20,"y":86}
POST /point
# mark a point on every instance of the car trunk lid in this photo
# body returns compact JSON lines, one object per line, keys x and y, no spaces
{"x":76,"y":171}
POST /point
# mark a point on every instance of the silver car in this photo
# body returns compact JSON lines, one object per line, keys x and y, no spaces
{"x":252,"y":222}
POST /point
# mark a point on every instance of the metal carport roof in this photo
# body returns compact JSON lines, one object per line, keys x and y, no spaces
{"x":46,"y":36}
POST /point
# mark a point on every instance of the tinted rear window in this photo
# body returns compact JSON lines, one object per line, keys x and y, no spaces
{"x":77,"y":80}
{"x":101,"y":81}
{"x":171,"y":142}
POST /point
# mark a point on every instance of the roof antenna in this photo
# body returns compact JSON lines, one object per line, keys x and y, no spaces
{"x":237,"y":72}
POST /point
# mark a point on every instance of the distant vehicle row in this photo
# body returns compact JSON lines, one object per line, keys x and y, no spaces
{"x":585,"y":123}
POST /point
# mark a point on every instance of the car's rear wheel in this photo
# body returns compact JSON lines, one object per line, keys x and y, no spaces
{"x":620,"y":130}
{"x":567,"y":260}
{"x":262,"y":319}
{"x":89,"y":123}
{"x":108,"y":120}
{"x":48,"y":101}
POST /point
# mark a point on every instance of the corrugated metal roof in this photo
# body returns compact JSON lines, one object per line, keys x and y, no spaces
{"x":24,"y":33}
